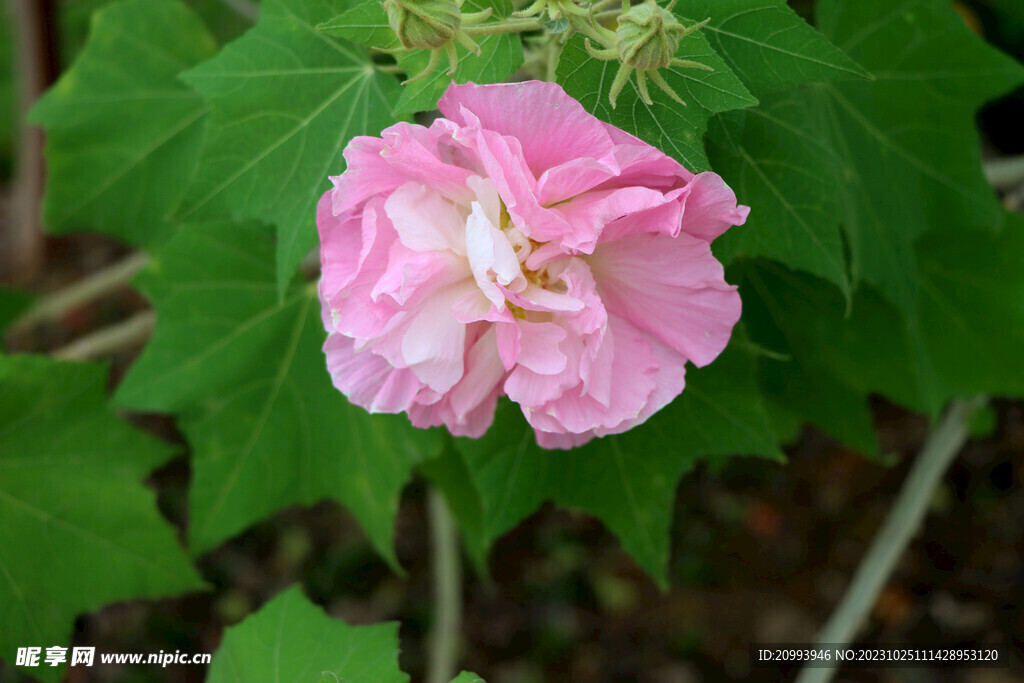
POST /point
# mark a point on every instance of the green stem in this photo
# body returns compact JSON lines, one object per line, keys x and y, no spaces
{"x":554,"y":51}
{"x":905,"y":518}
{"x":443,"y":646}
{"x":504,"y":26}
{"x":244,"y":8}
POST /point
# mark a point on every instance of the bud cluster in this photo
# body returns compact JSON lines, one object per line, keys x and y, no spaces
{"x":645,"y":40}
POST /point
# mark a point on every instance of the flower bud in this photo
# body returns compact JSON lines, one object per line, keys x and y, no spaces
{"x":648,"y":36}
{"x":424,"y":24}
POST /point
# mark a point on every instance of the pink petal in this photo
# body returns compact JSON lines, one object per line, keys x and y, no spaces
{"x":673,"y":288}
{"x":565,"y":442}
{"x":340,"y":246}
{"x":589,"y":213}
{"x":367,"y":379}
{"x":670,"y":380}
{"x":424,"y":220}
{"x":411,"y":272}
{"x":434,"y":341}
{"x":709,"y":208}
{"x":632,"y":378}
{"x":552,"y":127}
{"x":352,"y":308}
{"x":484,"y":373}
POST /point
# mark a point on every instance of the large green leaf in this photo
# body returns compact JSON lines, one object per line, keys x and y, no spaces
{"x":779,"y":162}
{"x":628,"y":481}
{"x":907,"y":140}
{"x":676,"y":130}
{"x":833,"y":351}
{"x":79,"y":529}
{"x":247,"y":375}
{"x":367,"y":24}
{"x":291,"y":640}
{"x":285,"y":99}
{"x":971,"y":319}
{"x":768,"y":45}
{"x":123,"y":132}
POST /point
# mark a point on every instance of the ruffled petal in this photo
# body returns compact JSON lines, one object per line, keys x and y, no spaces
{"x":709,"y":208}
{"x":673,"y":288}
{"x":424,"y":220}
{"x":551,"y":127}
{"x":369,"y":380}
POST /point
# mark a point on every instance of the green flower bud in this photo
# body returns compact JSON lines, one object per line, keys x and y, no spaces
{"x":648,"y":36}
{"x":424,"y":24}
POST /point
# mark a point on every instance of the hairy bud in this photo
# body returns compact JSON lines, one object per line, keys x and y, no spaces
{"x":424,"y":24}
{"x":648,"y":36}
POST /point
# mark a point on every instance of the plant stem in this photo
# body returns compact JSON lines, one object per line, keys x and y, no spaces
{"x":244,"y":8}
{"x":22,"y":247}
{"x":905,"y":518}
{"x":443,"y":646}
{"x":88,"y":289}
{"x":131,"y":332}
{"x":1005,"y":173}
{"x":505,"y":26}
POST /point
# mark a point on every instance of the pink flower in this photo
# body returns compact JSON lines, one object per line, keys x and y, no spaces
{"x":520,"y":247}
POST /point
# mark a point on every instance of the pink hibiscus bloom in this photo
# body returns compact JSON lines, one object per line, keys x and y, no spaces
{"x":520,"y":247}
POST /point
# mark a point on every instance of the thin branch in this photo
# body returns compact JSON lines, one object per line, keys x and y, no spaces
{"x":127,"y":334}
{"x":905,"y":518}
{"x":37,"y":67}
{"x":310,"y":266}
{"x":244,"y":8}
{"x":82,"y":292}
{"x":1005,"y":173}
{"x":443,"y":647}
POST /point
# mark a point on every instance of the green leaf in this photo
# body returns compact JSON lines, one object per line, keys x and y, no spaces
{"x":769,"y":45}
{"x":468,"y":677}
{"x":123,"y":133}
{"x":365,"y":24}
{"x":836,"y":350}
{"x":910,"y":152}
{"x":674,"y":129}
{"x":285,"y":99}
{"x":628,"y":481}
{"x":12,"y":304}
{"x":781,"y":165}
{"x":246,"y":372}
{"x":972,"y":309}
{"x":291,"y":640}
{"x":79,"y":528}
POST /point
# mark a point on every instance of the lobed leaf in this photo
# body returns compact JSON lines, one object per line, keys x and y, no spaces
{"x":246,"y":374}
{"x":123,"y":133}
{"x":910,"y":155}
{"x":628,"y":481}
{"x":291,"y":640}
{"x":285,"y":99}
{"x":768,"y":45}
{"x":79,"y":530}
{"x":779,"y":162}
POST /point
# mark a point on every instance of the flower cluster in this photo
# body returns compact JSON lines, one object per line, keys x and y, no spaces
{"x":520,"y":247}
